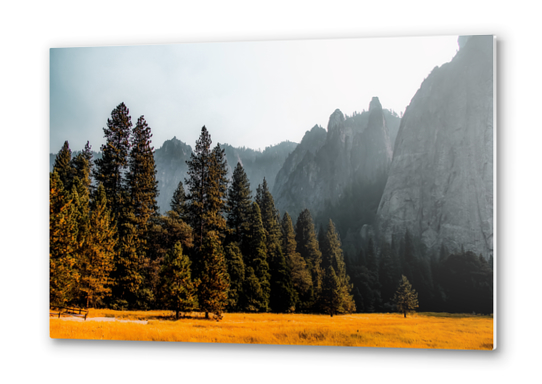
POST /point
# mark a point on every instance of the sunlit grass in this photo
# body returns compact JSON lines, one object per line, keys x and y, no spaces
{"x":431,"y":330}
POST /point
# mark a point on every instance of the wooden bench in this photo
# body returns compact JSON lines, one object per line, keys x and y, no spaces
{"x":71,"y":311}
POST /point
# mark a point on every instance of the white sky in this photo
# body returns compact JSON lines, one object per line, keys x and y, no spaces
{"x":251,"y":94}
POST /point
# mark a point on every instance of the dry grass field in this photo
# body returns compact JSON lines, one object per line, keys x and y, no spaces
{"x":423,"y":330}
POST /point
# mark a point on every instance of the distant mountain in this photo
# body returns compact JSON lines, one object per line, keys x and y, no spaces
{"x":171,"y":165}
{"x":440,"y":183}
{"x":340,"y":173}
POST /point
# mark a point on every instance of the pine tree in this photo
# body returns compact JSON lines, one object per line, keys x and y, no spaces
{"x":127,"y":273}
{"x":406,"y":298}
{"x":252,"y":290}
{"x":142,"y":177}
{"x":63,"y":244}
{"x":238,"y":204}
{"x":282,"y":297}
{"x":178,"y":291}
{"x":331,"y":293}
{"x":236,"y":274}
{"x":332,"y":256}
{"x":178,"y":202}
{"x":142,"y":189}
{"x":63,"y":166}
{"x":255,"y":253}
{"x":213,"y":289}
{"x":82,"y":166}
{"x":308,"y":248}
{"x":206,"y":185}
{"x":98,"y":252}
{"x":300,"y":274}
{"x":113,"y":165}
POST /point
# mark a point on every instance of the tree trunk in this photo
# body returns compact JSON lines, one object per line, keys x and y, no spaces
{"x":206,"y":315}
{"x":177,"y":315}
{"x":405,"y":314}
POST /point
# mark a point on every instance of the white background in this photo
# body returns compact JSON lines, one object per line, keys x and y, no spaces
{"x":29,"y":29}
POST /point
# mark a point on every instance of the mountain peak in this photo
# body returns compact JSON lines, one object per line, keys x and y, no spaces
{"x":336,"y":118}
{"x":375,"y":104}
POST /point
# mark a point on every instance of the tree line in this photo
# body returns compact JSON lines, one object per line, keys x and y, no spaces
{"x":221,"y":249}
{"x":217,"y":249}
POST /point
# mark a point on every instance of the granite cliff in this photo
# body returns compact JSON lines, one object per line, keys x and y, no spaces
{"x":440,"y":183}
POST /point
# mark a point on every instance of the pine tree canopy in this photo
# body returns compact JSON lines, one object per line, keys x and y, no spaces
{"x":300,"y":274}
{"x":206,"y":183}
{"x":178,"y":202}
{"x":238,"y":204}
{"x":63,"y":166}
{"x":142,"y":176}
{"x":113,"y":165}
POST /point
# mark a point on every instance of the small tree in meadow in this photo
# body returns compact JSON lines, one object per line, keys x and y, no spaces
{"x":406,"y":298}
{"x":177,"y":288}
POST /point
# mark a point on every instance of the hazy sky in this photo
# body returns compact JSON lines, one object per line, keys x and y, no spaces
{"x":251,"y":94}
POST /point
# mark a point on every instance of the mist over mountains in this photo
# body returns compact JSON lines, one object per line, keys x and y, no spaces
{"x":376,"y":174}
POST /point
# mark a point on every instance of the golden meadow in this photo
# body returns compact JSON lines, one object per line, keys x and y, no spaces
{"x":422,"y":330}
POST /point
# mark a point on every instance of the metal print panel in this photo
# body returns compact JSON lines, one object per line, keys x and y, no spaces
{"x":317,"y":192}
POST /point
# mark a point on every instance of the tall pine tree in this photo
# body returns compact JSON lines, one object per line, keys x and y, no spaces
{"x":113,"y":165}
{"x":308,"y":248}
{"x":63,"y":244}
{"x":282,"y":297}
{"x":332,"y":257}
{"x":238,"y":204}
{"x":98,"y":252}
{"x":300,"y":274}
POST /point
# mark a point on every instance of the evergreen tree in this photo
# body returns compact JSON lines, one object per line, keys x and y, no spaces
{"x":82,"y":166}
{"x":178,"y":291}
{"x":142,"y":177}
{"x":63,"y":244}
{"x":332,"y":256}
{"x":113,"y":165}
{"x":142,"y":185}
{"x":300,"y":274}
{"x":332,"y":300}
{"x":206,"y":185}
{"x":178,"y":202}
{"x":255,"y":253}
{"x":63,"y":166}
{"x":252,"y":290}
{"x":127,"y":273}
{"x":238,"y":204}
{"x":406,"y":297}
{"x":163,"y":233}
{"x":308,"y":248}
{"x":282,"y":297}
{"x":98,"y":252}
{"x":236,"y":273}
{"x":213,"y":289}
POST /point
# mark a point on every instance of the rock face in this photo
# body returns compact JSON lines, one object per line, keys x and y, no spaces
{"x":440,"y":183}
{"x":320,"y":171}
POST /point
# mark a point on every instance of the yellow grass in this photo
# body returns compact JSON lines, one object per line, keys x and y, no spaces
{"x":429,"y":330}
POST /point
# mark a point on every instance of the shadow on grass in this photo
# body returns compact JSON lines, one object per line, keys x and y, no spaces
{"x":453,"y":315}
